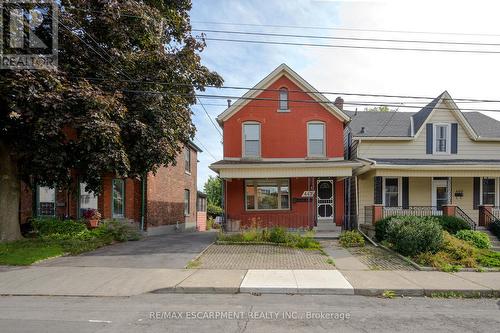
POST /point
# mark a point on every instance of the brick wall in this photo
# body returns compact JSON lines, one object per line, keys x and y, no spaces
{"x":165,"y":193}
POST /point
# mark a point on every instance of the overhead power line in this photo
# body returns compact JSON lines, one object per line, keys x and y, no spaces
{"x":347,"y":29}
{"x":339,"y":93}
{"x":208,"y":151}
{"x":251,"y":33}
{"x":349,"y":46}
{"x":209,"y":117}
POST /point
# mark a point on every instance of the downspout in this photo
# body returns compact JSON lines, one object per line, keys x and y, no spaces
{"x":143,"y":200}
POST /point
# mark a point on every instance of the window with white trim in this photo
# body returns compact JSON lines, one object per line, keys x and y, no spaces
{"x":391,"y":192}
{"x":283,"y":99}
{"x":46,"y":201}
{"x":267,"y":194}
{"x":251,"y":140}
{"x":442,"y":138}
{"x":187,"y":159}
{"x":488,"y":191}
{"x":187,"y":208}
{"x":118,"y":205}
{"x":315,"y":139}
{"x":88,"y":200}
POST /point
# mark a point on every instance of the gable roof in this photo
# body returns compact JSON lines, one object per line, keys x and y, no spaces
{"x":281,"y":70}
{"x":398,"y":125}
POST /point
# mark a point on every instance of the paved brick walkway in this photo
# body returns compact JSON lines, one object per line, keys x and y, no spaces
{"x":379,"y":259}
{"x":261,"y":257}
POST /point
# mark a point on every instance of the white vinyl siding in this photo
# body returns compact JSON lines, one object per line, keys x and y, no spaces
{"x":468,"y":149}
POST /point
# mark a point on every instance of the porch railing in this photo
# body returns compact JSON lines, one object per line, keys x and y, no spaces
{"x":490,"y":217}
{"x":463,"y":215}
{"x":496,"y":212}
{"x":412,"y":211}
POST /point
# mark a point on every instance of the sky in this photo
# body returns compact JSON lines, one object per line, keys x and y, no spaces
{"x":463,"y":75}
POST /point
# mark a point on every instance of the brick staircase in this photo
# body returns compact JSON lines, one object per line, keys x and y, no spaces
{"x":495,"y":242}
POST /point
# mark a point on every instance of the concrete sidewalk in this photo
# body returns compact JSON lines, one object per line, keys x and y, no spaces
{"x":102,"y":281}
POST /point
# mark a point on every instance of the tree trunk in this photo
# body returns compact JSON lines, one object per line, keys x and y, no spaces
{"x":9,"y":196}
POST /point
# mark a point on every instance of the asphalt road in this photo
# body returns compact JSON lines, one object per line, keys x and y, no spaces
{"x":165,"y":251}
{"x":149,"y":312}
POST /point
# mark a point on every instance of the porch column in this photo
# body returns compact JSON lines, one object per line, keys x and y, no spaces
{"x":377,"y":213}
{"x":449,"y":209}
{"x":485,"y":213}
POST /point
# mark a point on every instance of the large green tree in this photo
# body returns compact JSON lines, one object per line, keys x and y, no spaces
{"x":118,"y":102}
{"x":213,"y":190}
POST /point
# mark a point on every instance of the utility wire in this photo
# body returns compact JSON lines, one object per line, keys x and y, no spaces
{"x":208,"y":115}
{"x":203,"y":146}
{"x":300,"y":91}
{"x":348,"y":46}
{"x":346,"y":38}
{"x":346,"y":29}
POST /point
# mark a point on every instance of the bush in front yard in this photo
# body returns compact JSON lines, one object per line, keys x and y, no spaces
{"x":49,"y":226}
{"x":477,"y":238}
{"x":495,"y":228}
{"x":351,"y":239}
{"x":410,"y":235}
{"x":452,"y":224}
{"x":381,"y":228}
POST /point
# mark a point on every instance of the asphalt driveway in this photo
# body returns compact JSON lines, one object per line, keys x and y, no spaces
{"x":165,"y":251}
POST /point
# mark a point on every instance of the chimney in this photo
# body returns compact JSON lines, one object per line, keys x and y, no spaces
{"x":228,"y":103}
{"x":362,"y":130}
{"x":339,"y":103}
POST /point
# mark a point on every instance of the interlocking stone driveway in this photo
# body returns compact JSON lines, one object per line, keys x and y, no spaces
{"x":379,"y":259}
{"x":220,"y":256}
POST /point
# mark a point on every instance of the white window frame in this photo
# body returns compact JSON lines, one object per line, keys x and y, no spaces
{"x":279,"y":181}
{"x":280,"y":100}
{"x":187,"y":208}
{"x":187,"y":160}
{"x":497,"y":191}
{"x":81,"y":186}
{"x":400,"y":190}
{"x":324,"y":139}
{"x":243,"y":141}
{"x":38,"y":201}
{"x":113,"y":213}
{"x":448,"y":138}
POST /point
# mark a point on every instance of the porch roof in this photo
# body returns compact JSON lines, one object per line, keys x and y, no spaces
{"x":283,"y":168}
{"x":433,"y":167}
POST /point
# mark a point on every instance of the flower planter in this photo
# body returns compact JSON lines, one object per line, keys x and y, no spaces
{"x":94,"y":223}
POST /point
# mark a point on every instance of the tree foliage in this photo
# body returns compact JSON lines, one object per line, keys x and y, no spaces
{"x":213,"y":190}
{"x":119,"y":101}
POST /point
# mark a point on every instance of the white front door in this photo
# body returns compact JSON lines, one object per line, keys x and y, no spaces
{"x":440,"y":193}
{"x":325,"y":200}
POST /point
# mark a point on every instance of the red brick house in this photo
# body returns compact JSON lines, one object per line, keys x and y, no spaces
{"x":160,"y":203}
{"x":284,"y":155}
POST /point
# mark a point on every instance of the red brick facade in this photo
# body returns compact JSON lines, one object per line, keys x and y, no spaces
{"x":164,"y":197}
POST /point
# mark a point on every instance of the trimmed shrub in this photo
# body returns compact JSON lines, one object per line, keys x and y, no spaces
{"x":452,"y":224}
{"x":410,"y":235}
{"x":381,"y":228}
{"x":351,"y":239}
{"x":119,"y":231}
{"x":278,"y":235}
{"x":495,"y":228}
{"x":477,"y":238}
{"x":49,"y":226}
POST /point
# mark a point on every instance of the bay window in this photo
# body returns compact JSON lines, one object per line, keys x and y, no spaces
{"x":267,"y":194}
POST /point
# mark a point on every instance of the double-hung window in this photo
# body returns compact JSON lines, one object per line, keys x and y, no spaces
{"x":251,"y":140}
{"x":46,"y":201}
{"x":269,"y":194}
{"x":283,"y":99}
{"x":488,"y":191}
{"x":315,"y":139}
{"x":187,"y":159}
{"x":442,"y":138}
{"x":391,"y":192}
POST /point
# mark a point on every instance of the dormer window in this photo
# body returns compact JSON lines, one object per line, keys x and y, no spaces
{"x":283,"y":99}
{"x":442,"y":138}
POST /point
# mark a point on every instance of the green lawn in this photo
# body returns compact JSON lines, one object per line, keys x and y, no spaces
{"x":26,"y":252}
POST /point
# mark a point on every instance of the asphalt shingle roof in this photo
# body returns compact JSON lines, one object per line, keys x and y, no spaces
{"x":398,"y":124}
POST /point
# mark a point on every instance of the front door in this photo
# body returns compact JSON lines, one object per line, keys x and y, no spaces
{"x":440,"y":193}
{"x":325,"y":200}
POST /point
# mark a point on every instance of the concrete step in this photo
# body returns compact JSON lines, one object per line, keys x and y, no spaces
{"x":328,"y":226}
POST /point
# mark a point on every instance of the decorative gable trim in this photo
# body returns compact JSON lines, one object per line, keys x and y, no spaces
{"x":282,"y":70}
